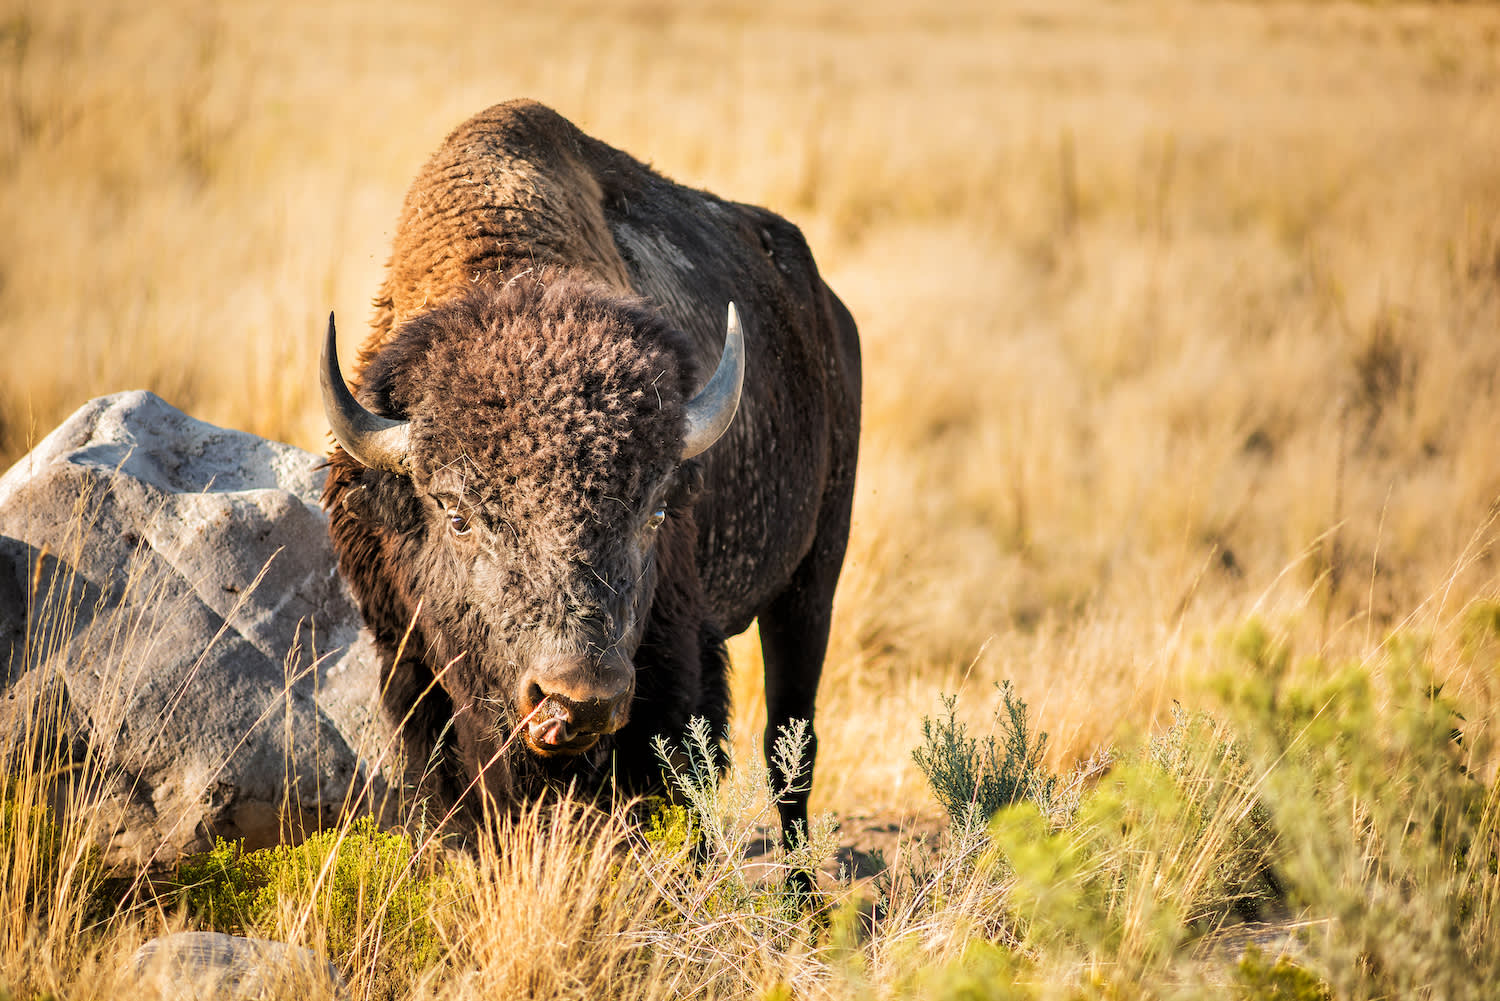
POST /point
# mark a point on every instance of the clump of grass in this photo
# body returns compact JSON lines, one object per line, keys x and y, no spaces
{"x":1155,"y":854}
{"x":554,"y":905}
{"x":53,"y":886}
{"x":53,"y":880}
{"x":571,"y":902}
{"x":1124,"y":870}
{"x":1202,"y":758}
{"x":43,"y":857}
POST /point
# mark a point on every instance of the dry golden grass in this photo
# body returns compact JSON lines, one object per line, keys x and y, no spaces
{"x":1172,"y":313}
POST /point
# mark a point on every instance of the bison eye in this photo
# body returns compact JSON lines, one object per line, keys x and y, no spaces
{"x":459,"y":522}
{"x":657,"y":517}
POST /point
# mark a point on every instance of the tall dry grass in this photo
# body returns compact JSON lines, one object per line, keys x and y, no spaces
{"x":1170,"y":312}
{"x":1173,"y":314}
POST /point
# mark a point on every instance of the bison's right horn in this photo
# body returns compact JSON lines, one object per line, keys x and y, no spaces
{"x":374,"y":441}
{"x":709,"y":413}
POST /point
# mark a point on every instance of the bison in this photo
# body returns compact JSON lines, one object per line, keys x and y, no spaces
{"x":567,"y":477}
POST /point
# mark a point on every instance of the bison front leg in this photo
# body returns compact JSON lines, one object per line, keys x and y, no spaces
{"x":794,"y":638}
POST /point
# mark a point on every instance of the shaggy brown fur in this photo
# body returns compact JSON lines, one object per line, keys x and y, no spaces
{"x":550,"y":304}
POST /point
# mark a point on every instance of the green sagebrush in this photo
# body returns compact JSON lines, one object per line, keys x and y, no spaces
{"x":1258,"y":979}
{"x":974,"y":779}
{"x":1131,"y":857}
{"x":358,"y":884}
{"x":1389,"y":816}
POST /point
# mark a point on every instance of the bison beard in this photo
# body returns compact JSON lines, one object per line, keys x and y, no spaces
{"x":535,"y":499}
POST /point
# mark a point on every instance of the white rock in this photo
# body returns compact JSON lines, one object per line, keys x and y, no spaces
{"x":209,"y":966}
{"x":168,"y":590}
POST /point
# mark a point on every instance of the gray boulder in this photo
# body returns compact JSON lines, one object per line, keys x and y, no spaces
{"x":173,"y":631}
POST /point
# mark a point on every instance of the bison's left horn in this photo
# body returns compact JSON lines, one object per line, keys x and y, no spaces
{"x":375,"y":441}
{"x":709,"y":413}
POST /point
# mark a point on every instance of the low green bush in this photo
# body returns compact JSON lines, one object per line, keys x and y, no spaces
{"x":358,"y":886}
{"x":1131,"y":862}
{"x":974,"y":779}
{"x":1388,"y":814}
{"x":1256,"y":979}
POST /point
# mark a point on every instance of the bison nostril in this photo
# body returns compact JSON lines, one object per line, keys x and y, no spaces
{"x":551,"y":708}
{"x":568,"y":703}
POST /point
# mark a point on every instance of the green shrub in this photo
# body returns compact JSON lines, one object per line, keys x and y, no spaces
{"x":722,"y":812}
{"x":1133,"y":875}
{"x":218,"y":887}
{"x":700,"y":849}
{"x":1481,"y":628}
{"x":986,"y":971}
{"x":359,"y":886}
{"x":1386,"y":831}
{"x":1257,"y":980}
{"x":670,"y":832}
{"x":974,"y":779}
{"x":1120,"y":869}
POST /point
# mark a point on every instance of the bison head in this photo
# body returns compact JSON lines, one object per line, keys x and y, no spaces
{"x":529,"y":466}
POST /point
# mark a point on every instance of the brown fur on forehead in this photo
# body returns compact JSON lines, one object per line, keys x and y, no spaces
{"x":556,"y":395}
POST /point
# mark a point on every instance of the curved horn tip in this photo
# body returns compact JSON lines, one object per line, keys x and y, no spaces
{"x":331,"y":345}
{"x":710,"y":413}
{"x":372,"y":440}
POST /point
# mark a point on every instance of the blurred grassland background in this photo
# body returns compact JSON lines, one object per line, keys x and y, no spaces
{"x":1173,"y":314}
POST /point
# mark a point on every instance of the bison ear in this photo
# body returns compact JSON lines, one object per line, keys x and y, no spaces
{"x":355,"y":501}
{"x":709,"y":413}
{"x":373,"y":441}
{"x":383,"y":501}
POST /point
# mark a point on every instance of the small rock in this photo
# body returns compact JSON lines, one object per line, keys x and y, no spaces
{"x":209,"y":966}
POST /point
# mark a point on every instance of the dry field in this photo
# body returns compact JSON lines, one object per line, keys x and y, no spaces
{"x":1175,"y":315}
